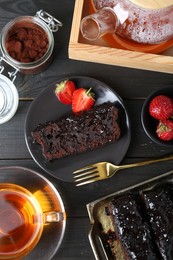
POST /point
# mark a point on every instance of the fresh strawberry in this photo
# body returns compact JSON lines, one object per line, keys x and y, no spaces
{"x":83,"y":99}
{"x":161,"y":107}
{"x":64,"y":91}
{"x":165,"y":130}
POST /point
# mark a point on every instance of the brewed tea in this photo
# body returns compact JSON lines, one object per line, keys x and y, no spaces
{"x":138,"y":29}
{"x":19,"y":222}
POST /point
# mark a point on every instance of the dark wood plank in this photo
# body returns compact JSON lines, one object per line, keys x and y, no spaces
{"x":76,"y":198}
{"x":12,"y":134}
{"x":128,"y":83}
{"x":76,"y":230}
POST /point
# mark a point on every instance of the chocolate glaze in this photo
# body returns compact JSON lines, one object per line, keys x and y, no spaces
{"x":159,"y":211}
{"x":143,"y":223}
{"x":133,"y":232}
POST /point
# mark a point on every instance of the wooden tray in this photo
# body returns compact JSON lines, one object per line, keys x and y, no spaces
{"x":99,"y":52}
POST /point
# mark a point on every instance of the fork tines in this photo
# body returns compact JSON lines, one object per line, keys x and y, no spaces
{"x":86,"y":175}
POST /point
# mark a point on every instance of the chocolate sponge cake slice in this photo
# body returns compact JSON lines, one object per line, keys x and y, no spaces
{"x":78,"y":133}
{"x":158,"y":205}
{"x":131,"y":229}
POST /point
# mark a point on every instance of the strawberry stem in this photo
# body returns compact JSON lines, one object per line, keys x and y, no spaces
{"x":89,"y":93}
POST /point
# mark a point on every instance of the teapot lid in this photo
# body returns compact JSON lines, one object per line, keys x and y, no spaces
{"x":153,"y":4}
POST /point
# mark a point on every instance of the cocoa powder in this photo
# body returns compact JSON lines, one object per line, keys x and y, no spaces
{"x":27,"y":44}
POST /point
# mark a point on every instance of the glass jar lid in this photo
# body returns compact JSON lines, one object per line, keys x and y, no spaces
{"x":9,"y":99}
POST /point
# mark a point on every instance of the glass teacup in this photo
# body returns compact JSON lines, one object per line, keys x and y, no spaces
{"x":21,"y":221}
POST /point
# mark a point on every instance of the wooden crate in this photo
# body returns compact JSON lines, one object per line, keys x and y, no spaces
{"x":80,"y":49}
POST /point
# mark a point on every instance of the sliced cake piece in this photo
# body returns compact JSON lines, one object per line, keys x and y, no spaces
{"x":78,"y":133}
{"x":113,"y":247}
{"x":131,"y":230}
{"x":159,"y":212}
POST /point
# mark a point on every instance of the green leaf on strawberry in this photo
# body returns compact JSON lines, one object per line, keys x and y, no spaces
{"x":165,"y":130}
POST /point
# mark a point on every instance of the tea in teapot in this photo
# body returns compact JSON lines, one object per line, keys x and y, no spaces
{"x":143,"y":23}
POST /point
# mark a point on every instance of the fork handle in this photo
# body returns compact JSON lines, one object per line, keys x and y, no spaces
{"x":125,"y":166}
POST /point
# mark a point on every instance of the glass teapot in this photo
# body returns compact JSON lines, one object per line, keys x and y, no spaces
{"x":148,"y":22}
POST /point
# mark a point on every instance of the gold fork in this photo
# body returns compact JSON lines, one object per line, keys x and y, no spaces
{"x":103,"y":170}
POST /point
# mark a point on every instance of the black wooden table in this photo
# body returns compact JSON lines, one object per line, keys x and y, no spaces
{"x":131,"y":84}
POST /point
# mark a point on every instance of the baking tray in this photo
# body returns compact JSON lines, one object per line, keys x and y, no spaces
{"x":100,"y":52}
{"x":96,"y":214}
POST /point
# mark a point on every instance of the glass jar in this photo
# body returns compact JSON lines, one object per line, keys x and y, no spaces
{"x":42,"y":23}
{"x":19,"y":33}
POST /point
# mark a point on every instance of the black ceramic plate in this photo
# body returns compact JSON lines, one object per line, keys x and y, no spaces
{"x":46,"y":107}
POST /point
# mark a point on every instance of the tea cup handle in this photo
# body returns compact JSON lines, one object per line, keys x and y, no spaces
{"x":53,"y":216}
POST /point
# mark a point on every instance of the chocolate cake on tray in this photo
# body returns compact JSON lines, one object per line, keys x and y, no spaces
{"x":138,"y":225}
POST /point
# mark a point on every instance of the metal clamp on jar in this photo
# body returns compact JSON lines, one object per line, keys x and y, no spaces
{"x":26,"y":44}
